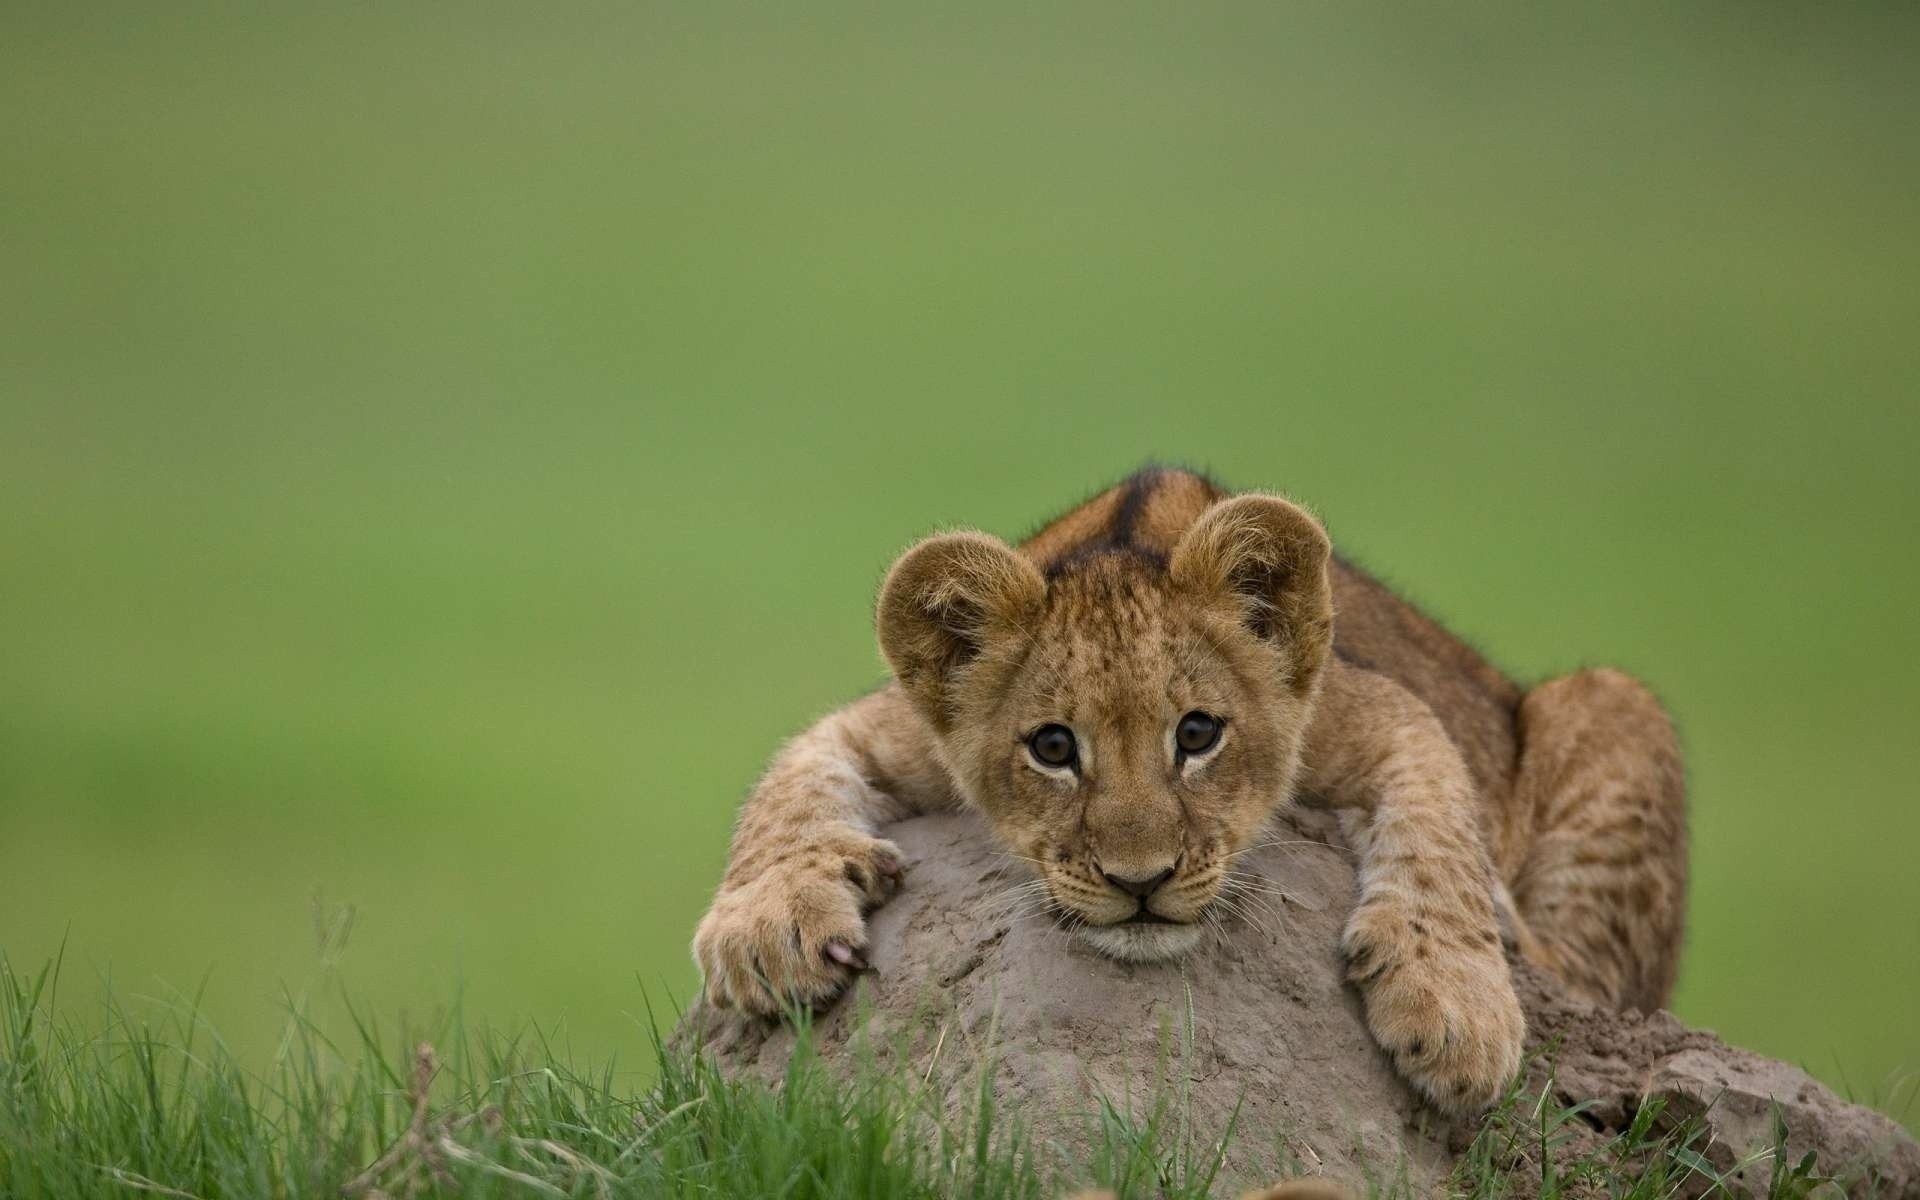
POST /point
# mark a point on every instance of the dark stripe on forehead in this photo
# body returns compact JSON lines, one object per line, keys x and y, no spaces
{"x":1141,"y":517}
{"x":1133,"y":502}
{"x":1119,"y":537}
{"x":1151,"y":560}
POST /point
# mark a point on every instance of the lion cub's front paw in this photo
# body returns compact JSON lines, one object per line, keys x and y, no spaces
{"x":797,"y":932}
{"x":1443,"y":1007}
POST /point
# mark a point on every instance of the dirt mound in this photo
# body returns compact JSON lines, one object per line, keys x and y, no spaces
{"x":1259,"y":1021}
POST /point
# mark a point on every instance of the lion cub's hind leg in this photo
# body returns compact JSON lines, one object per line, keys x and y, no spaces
{"x":1601,"y":888}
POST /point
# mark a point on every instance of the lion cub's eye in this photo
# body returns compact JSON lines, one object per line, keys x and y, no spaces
{"x":1052,"y":745}
{"x":1196,"y":733}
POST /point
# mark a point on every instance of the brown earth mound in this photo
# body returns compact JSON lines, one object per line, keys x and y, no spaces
{"x":1261,"y":1021}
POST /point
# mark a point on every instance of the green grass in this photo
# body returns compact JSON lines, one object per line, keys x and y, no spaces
{"x":142,"y":1097}
{"x":443,"y":451}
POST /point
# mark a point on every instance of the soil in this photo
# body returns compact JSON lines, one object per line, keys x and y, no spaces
{"x":1260,"y":1023}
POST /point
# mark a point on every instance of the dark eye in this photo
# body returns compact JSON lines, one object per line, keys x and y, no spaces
{"x":1052,"y":745}
{"x":1196,"y":733}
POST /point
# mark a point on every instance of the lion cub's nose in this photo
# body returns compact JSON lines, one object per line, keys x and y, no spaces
{"x":1142,"y":887}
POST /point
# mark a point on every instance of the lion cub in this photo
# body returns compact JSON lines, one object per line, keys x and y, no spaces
{"x":1131,"y":694}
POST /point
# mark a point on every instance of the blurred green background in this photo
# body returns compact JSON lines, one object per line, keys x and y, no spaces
{"x":443,"y":449}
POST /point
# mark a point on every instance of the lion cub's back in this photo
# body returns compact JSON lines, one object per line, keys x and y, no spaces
{"x":1143,"y":514}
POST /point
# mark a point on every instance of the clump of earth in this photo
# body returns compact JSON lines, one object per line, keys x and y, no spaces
{"x":1260,"y":1028}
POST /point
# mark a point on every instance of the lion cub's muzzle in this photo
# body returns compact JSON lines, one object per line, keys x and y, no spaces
{"x":1143,"y":917}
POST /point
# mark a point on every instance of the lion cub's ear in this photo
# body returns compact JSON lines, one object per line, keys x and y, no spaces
{"x":1271,"y":556}
{"x":943,"y":603}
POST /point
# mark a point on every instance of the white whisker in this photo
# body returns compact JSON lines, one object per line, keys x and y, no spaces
{"x":1241,"y":913}
{"x":1291,"y":842}
{"x":1246,"y":883}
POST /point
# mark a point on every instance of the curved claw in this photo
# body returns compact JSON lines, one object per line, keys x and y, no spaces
{"x":846,"y":955}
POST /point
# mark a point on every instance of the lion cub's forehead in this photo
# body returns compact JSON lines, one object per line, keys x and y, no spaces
{"x":1116,"y":637}
{"x":1110,"y":597}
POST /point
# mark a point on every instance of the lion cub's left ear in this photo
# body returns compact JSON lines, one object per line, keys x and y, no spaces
{"x":944,"y":603}
{"x":1271,"y":557}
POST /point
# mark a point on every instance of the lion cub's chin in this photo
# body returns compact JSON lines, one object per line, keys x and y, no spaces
{"x":1141,"y":943}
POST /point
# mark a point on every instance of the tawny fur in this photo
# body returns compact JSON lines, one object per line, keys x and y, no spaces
{"x":1555,"y":814}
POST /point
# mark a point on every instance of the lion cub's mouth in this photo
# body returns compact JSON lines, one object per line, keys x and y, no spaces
{"x":1145,"y":936}
{"x":1152,"y":939}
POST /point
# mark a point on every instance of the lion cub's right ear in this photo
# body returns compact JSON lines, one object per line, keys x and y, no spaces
{"x":944,"y":602}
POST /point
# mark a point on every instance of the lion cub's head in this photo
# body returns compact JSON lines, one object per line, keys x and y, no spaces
{"x":1127,"y":718}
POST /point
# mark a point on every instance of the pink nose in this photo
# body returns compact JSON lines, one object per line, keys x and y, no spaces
{"x":1140,"y":888}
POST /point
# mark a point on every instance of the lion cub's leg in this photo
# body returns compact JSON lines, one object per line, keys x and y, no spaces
{"x":789,"y":921}
{"x":1423,"y":943}
{"x":1601,"y":889}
